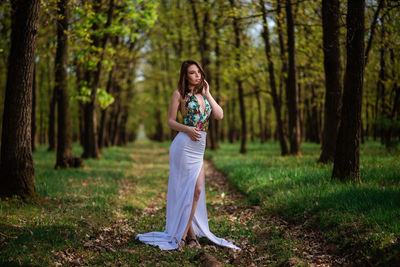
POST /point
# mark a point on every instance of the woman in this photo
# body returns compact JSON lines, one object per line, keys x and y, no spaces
{"x":186,"y":202}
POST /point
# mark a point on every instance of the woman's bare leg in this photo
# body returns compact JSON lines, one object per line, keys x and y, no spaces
{"x":190,"y":232}
{"x":196,"y":196}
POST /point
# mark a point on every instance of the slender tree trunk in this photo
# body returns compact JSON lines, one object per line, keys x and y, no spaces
{"x":284,"y":69}
{"x":79,"y":79}
{"x":315,"y":118}
{"x":260,"y":119}
{"x":91,"y":148}
{"x":103,"y":117}
{"x":231,"y":123}
{"x":52,"y":122}
{"x":275,"y":99}
{"x":65,"y":156}
{"x":382,"y":80}
{"x":292,"y":93}
{"x":372,"y":29}
{"x":16,"y":166}
{"x":333,"y":69}
{"x":34,"y":109}
{"x":243,"y":133}
{"x":217,"y":125}
{"x":347,"y":157}
{"x":159,"y":135}
{"x":129,"y":98}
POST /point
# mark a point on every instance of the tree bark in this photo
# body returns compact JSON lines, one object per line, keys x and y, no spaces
{"x":275,"y":99}
{"x":16,"y":166}
{"x":292,"y":93}
{"x":65,"y":157}
{"x":347,"y":157}
{"x":333,"y":69}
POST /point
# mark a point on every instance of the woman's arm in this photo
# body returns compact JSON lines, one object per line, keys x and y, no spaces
{"x":217,"y":111}
{"x":193,"y":132}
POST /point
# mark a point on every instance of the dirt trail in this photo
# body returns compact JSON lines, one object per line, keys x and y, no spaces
{"x":310,"y":249}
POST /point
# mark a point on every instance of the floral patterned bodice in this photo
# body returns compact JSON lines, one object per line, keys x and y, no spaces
{"x":194,"y":115}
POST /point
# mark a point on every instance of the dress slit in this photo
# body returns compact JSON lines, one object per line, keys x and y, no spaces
{"x":186,"y":162}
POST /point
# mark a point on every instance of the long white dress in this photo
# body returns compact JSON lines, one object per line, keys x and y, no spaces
{"x":186,"y":160}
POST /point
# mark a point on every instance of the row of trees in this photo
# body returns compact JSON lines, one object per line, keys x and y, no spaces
{"x":298,"y":90}
{"x":92,"y":71}
{"x":104,"y":38}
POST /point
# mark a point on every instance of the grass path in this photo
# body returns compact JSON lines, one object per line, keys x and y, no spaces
{"x":91,"y":216}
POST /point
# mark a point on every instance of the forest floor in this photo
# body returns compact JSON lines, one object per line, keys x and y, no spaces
{"x":90,"y":216}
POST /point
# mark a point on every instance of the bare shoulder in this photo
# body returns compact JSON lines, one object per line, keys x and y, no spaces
{"x":176,"y":94}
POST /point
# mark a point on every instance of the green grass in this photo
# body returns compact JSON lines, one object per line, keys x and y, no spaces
{"x":301,"y":191}
{"x":90,"y":216}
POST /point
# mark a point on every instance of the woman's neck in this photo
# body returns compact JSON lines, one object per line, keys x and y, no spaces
{"x":191,"y":88}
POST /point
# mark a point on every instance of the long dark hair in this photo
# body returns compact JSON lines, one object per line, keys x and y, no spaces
{"x":183,"y":84}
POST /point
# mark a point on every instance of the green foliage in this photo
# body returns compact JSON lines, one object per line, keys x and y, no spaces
{"x":104,"y":99}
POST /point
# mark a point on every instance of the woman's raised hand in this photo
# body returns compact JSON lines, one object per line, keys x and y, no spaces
{"x":206,"y":89}
{"x":193,"y":133}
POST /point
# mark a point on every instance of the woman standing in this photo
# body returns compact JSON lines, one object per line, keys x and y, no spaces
{"x":186,"y":202}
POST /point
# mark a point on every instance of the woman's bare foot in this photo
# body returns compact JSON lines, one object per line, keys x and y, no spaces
{"x":193,"y":242}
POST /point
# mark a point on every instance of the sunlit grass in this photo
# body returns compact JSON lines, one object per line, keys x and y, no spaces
{"x":301,"y":190}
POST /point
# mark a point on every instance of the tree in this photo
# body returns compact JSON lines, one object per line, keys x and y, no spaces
{"x":347,"y":157}
{"x":90,"y":143}
{"x":65,"y":156}
{"x":292,"y":91}
{"x":33,"y":109}
{"x":275,"y":98}
{"x":243,"y":134}
{"x":16,"y":166}
{"x":333,"y":69}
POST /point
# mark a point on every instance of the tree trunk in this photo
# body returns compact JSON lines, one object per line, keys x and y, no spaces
{"x":159,"y":134}
{"x":34,"y":109}
{"x":216,"y":124}
{"x":91,"y":148}
{"x":347,"y":157}
{"x":381,"y":82}
{"x":252,"y":130}
{"x":129,"y":98}
{"x":52,"y":122}
{"x":292,"y":94}
{"x":275,"y":99}
{"x":16,"y":166}
{"x":333,"y":69}
{"x":315,"y":117}
{"x":260,"y":118}
{"x":65,"y":156}
{"x":103,"y":117}
{"x":243,"y":133}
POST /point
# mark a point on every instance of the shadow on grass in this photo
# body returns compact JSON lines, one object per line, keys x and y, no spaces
{"x":33,"y":240}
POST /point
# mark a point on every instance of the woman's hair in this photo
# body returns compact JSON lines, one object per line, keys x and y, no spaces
{"x":183,"y":84}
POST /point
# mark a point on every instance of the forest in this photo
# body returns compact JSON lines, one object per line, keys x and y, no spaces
{"x":311,"y":84}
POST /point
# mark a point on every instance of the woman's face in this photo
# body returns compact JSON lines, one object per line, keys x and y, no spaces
{"x":193,"y":75}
